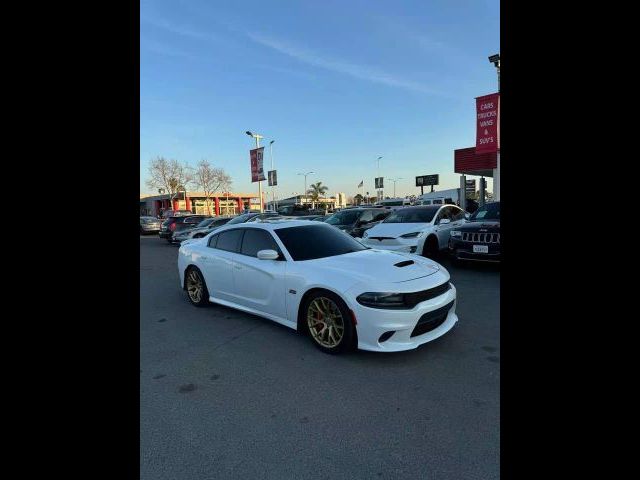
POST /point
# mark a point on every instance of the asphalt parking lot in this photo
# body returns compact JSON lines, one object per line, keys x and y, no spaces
{"x":224,"y":394}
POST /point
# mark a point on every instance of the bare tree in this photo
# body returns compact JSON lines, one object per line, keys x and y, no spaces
{"x":170,"y":175}
{"x":210,"y":180}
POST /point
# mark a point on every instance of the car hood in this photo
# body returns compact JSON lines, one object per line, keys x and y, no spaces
{"x":394,"y":230}
{"x":491,"y":225}
{"x":375,"y":266}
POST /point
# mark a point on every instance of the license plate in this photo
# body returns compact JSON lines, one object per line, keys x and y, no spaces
{"x":481,"y":249}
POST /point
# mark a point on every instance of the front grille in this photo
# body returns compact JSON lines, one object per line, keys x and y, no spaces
{"x":432,"y":320}
{"x":381,"y":238}
{"x":477,"y":237}
{"x":414,"y":298}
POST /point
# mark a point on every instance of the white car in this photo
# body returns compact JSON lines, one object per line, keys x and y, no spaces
{"x":316,"y":279}
{"x":423,"y":230}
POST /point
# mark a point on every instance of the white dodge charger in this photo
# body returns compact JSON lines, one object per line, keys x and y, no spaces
{"x":318,"y":280}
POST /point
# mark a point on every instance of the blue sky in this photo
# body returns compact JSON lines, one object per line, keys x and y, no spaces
{"x":335,"y":83}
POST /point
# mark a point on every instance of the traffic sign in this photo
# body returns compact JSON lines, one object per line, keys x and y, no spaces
{"x":273,"y":177}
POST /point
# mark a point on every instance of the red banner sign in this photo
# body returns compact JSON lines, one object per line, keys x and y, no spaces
{"x":488,"y":123}
{"x":257,"y":172}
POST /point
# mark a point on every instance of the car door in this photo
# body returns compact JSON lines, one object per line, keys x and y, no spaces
{"x":259,"y":284}
{"x":443,"y":229}
{"x":218,"y":263}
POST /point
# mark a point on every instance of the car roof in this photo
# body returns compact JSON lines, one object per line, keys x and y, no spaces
{"x":274,"y":224}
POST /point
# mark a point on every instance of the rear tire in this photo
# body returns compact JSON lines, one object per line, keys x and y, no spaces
{"x":328,"y":322}
{"x":196,"y":287}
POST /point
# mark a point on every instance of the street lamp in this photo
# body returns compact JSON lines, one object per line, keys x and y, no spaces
{"x":273,"y":192}
{"x":394,"y":180}
{"x":305,"y":181}
{"x":257,"y":137}
{"x":495,"y":59}
{"x":379,"y":192}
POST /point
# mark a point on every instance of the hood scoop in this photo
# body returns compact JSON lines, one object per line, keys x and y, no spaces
{"x":404,"y":264}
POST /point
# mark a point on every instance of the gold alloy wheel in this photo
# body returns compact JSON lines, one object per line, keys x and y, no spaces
{"x":325,"y":322}
{"x":194,"y":286}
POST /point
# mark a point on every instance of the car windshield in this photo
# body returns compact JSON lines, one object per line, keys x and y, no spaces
{"x":490,"y":211}
{"x":309,"y":242}
{"x":148,"y":219}
{"x":343,"y":218}
{"x":205,"y":222}
{"x":412,"y":215}
{"x":241,"y":218}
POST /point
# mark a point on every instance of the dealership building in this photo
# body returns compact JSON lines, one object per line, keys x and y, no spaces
{"x":219,"y":203}
{"x":339,"y":201}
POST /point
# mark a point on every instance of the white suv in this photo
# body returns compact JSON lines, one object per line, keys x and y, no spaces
{"x":423,"y":230}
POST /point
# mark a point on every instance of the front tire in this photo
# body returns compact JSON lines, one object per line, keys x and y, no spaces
{"x":196,"y":287}
{"x":431,"y":247}
{"x":328,"y":322}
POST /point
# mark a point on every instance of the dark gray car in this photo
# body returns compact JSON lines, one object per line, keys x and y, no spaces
{"x":355,"y":221}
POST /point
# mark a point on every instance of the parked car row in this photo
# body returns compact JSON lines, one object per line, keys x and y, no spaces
{"x":355,"y":279}
{"x":424,"y":230}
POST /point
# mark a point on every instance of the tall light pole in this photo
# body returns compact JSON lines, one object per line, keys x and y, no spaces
{"x":273,"y":192}
{"x":379,"y":194}
{"x":257,"y":137}
{"x":495,"y":59}
{"x":305,"y":181}
{"x":394,"y":180}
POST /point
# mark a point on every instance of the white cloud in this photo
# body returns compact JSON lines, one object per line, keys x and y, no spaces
{"x":358,"y":71}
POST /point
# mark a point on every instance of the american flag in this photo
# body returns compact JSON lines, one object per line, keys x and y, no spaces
{"x":361,"y":184}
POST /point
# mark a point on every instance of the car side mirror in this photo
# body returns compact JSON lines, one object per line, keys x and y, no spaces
{"x":268,"y":255}
{"x":444,"y":221}
{"x":467,"y":215}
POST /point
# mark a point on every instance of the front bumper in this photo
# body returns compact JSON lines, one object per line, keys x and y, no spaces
{"x":464,"y":251}
{"x":373,"y":322}
{"x":398,"y":246}
{"x":165,"y":233}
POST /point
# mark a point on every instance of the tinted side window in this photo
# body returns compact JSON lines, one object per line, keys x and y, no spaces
{"x":212,"y":241}
{"x":229,"y":240}
{"x":444,"y":213}
{"x":380,"y":216}
{"x":366,"y":216}
{"x":255,"y":240}
{"x":456,"y":213}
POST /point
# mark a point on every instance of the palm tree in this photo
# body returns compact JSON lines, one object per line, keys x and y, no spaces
{"x":316,"y":191}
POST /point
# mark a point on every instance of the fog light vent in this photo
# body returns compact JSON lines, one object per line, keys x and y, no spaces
{"x":386,"y":336}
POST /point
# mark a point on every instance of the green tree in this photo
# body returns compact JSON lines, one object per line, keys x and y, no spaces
{"x":357,"y":200}
{"x":316,"y":191}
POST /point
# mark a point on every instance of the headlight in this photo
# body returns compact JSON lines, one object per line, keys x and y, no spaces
{"x":412,"y":235}
{"x":456,"y":233}
{"x":381,"y":300}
